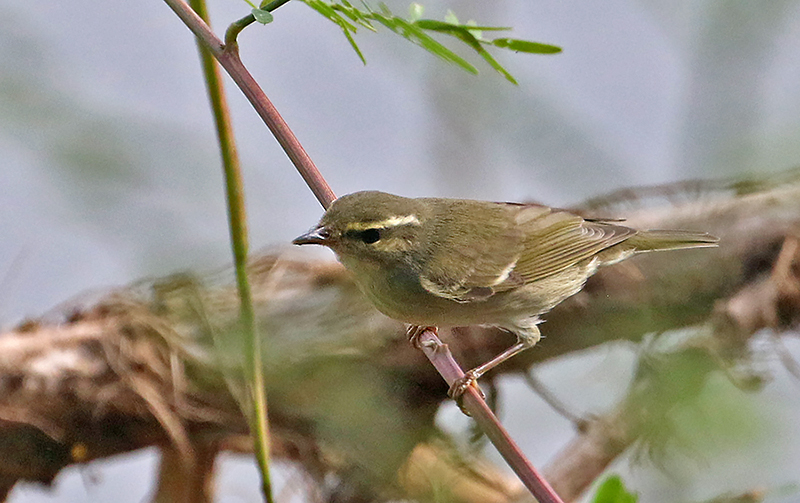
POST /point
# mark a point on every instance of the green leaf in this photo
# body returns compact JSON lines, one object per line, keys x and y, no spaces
{"x":355,"y":46}
{"x":348,"y":18}
{"x":329,"y":12}
{"x":612,"y":490}
{"x":415,"y":34}
{"x":466,"y":34}
{"x":474,"y":29}
{"x":347,"y":28}
{"x":348,"y":10}
{"x":262,"y":16}
{"x":354,"y":14}
{"x":526,"y":46}
{"x":497,"y":66}
{"x":433,"y":25}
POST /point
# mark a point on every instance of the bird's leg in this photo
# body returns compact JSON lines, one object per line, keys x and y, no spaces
{"x":525,"y":340}
{"x":415,"y":331}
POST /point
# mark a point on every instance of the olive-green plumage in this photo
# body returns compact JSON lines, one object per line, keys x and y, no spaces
{"x":434,"y":261}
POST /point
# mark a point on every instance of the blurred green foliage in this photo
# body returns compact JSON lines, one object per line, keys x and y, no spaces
{"x":613,"y":490}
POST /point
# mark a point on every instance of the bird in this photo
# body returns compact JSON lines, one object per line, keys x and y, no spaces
{"x":436,"y":262}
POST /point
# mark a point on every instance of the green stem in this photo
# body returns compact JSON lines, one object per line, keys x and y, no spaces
{"x":237,"y":222}
{"x":274,"y":4}
{"x":237,"y":26}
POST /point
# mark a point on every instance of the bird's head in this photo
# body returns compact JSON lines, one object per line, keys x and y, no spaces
{"x":371,"y":226}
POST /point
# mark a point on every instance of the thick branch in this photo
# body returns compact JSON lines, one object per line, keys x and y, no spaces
{"x":136,"y":368}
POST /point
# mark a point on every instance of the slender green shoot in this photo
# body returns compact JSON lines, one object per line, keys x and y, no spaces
{"x":237,"y":222}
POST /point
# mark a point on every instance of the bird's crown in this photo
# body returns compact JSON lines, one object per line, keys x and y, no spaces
{"x":371,"y":209}
{"x":377,"y":220}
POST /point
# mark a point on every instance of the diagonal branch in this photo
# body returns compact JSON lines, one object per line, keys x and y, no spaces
{"x":228,"y":57}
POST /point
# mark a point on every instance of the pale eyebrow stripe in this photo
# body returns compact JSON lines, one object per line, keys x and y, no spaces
{"x":394,"y":221}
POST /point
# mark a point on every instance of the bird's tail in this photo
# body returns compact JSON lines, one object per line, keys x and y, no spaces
{"x":671,"y":240}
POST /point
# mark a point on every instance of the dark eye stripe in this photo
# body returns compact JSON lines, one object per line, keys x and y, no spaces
{"x":368,"y":236}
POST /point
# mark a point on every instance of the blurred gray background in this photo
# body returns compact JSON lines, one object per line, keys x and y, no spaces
{"x":110,"y":171}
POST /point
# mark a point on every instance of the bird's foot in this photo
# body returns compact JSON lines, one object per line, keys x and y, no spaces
{"x":415,"y":331}
{"x":461,"y":385}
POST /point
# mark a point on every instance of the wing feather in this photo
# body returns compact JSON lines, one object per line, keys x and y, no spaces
{"x":483,"y":248}
{"x":522,"y":244}
{"x":563,"y":240}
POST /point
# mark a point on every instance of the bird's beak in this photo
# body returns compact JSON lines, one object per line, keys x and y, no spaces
{"x":318,"y":236}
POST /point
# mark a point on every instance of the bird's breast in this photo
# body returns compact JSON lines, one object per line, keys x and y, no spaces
{"x":397,"y":292}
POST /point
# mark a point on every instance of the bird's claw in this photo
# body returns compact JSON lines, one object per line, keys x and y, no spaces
{"x":461,"y":385}
{"x":415,"y":331}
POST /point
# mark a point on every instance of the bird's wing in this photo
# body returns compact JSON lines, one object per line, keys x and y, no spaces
{"x":480,"y":259}
{"x":536,"y":243}
{"x":559,"y":240}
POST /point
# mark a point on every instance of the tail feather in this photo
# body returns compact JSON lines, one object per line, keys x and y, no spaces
{"x":671,"y":240}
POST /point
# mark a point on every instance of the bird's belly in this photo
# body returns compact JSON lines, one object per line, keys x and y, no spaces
{"x":399,"y":295}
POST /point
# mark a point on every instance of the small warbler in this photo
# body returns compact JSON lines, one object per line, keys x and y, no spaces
{"x":456,"y":262}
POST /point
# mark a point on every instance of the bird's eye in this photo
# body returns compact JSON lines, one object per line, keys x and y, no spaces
{"x":369,"y":236}
{"x":366,"y":236}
